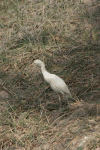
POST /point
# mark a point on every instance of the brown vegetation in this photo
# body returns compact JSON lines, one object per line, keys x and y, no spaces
{"x":65,"y":35}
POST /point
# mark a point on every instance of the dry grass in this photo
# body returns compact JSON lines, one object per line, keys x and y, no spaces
{"x":64,"y":34}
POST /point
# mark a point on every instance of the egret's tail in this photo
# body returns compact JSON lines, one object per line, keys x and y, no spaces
{"x":68,"y":95}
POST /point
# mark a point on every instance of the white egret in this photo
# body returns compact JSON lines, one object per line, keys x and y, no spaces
{"x":56,"y":83}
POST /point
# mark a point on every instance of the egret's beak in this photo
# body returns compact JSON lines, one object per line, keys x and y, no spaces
{"x":32,"y":64}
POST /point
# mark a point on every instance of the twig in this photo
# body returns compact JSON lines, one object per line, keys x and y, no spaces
{"x":60,"y":117}
{"x":8,"y":90}
{"x":45,"y":113}
{"x":15,"y":135}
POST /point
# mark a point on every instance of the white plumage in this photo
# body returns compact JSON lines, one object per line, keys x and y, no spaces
{"x":56,"y":83}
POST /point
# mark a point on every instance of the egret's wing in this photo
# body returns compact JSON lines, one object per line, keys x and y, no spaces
{"x":59,"y":85}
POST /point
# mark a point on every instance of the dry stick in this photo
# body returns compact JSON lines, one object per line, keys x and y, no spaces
{"x":4,"y":133}
{"x":52,"y":129}
{"x":11,"y":108}
{"x":87,"y":88}
{"x":97,"y":110}
{"x":2,"y":145}
{"x":59,"y":138}
{"x":7,"y":68}
{"x":15,"y":135}
{"x":60,"y":117}
{"x":7,"y":90}
{"x":69,"y":145}
{"x":5,"y":144}
{"x":54,"y":140}
{"x":45,"y":113}
{"x":41,"y":92}
{"x":11,"y":93}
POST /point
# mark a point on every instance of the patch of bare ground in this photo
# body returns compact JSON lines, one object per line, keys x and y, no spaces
{"x":65,"y":35}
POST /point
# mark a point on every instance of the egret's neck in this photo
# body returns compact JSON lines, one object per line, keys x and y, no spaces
{"x":43,"y":69}
{"x":45,"y":73}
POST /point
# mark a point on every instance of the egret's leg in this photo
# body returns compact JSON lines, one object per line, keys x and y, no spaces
{"x":59,"y":101}
{"x":66,"y":98}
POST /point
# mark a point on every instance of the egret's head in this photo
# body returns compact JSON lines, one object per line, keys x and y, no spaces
{"x":38,"y":63}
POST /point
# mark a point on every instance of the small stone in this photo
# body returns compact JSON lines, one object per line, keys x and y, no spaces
{"x":4,"y":94}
